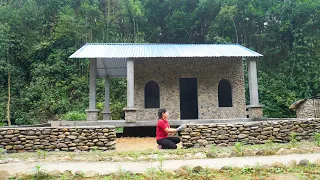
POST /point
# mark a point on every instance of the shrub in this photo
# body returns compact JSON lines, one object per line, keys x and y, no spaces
{"x":74,"y":116}
{"x":2,"y":124}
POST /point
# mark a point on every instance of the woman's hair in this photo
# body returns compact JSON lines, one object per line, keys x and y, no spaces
{"x":160,"y":112}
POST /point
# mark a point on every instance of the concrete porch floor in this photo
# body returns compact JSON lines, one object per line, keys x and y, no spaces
{"x":123,"y":123}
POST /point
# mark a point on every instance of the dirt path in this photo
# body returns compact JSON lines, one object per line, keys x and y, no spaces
{"x":135,"y":167}
{"x":137,"y":144}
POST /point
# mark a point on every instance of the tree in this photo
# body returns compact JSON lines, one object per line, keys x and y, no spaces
{"x":38,"y":36}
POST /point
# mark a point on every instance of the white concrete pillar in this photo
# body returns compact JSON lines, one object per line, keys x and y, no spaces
{"x":92,"y":112}
{"x":130,"y":83}
{"x":93,"y":84}
{"x":253,"y":81}
{"x":130,"y":110}
{"x":255,"y":109}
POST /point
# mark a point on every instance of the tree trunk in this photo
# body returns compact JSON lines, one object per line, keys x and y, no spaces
{"x":235,"y":28}
{"x":8,"y":105}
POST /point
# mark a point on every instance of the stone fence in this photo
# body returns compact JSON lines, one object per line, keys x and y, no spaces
{"x":58,"y":139}
{"x":201,"y":135}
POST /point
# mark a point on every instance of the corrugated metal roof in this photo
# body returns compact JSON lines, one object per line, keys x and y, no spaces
{"x":111,"y":67}
{"x":112,"y":58}
{"x":101,"y":50}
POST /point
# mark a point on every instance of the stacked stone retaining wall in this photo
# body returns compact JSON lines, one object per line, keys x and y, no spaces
{"x":201,"y":135}
{"x":57,"y":139}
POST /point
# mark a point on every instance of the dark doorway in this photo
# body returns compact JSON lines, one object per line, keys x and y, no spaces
{"x":188,"y":98}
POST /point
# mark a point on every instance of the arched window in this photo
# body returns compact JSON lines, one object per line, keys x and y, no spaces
{"x":152,"y":95}
{"x":224,"y":93}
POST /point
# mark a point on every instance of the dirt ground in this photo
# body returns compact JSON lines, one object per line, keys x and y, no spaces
{"x":137,"y":143}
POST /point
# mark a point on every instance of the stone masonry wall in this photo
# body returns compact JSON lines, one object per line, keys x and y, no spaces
{"x":201,"y":135}
{"x":57,"y":139}
{"x":306,"y":109}
{"x":208,"y":71}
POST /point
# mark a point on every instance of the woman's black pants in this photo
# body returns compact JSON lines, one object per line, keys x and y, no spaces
{"x":169,"y":142}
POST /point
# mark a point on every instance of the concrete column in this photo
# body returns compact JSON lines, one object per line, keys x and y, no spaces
{"x":92,"y":112}
{"x":130,"y":110}
{"x":253,"y":81}
{"x":255,"y":109}
{"x":107,"y":113}
{"x":130,"y":83}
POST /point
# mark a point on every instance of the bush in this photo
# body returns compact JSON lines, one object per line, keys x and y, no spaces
{"x":117,"y":110}
{"x":25,"y":118}
{"x":3,"y":123}
{"x":74,"y":116}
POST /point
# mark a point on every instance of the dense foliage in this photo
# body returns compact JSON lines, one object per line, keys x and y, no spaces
{"x":38,"y":36}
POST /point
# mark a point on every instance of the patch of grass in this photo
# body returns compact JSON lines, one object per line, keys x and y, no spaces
{"x":63,"y":177}
{"x":98,"y":155}
{"x":213,"y":148}
{"x":249,"y":172}
{"x":317,"y":139}
{"x":161,"y":160}
{"x":79,"y":174}
{"x":119,"y":129}
{"x":254,"y":172}
{"x":212,"y":153}
{"x":270,"y":144}
{"x":151,"y":173}
{"x":2,"y":153}
{"x":40,"y":173}
{"x":293,"y":139}
{"x":238,"y":148}
{"x":22,"y":156}
{"x":41,"y":154}
{"x":276,"y":170}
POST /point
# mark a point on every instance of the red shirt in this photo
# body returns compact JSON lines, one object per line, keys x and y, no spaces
{"x":161,"y":125}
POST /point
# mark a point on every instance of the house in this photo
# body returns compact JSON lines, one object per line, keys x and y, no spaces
{"x":307,"y":108}
{"x":192,"y":81}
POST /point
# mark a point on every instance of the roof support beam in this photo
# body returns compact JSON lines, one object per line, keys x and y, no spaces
{"x":130,"y":83}
{"x":130,"y":110}
{"x":92,"y":112}
{"x":253,"y":81}
{"x":255,"y":109}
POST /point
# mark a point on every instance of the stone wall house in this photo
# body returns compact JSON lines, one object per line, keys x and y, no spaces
{"x":207,"y":73}
{"x":192,"y":81}
{"x":307,"y":108}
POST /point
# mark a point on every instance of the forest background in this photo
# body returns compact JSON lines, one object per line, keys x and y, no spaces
{"x":38,"y":82}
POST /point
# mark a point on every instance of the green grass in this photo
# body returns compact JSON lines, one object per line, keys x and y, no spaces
{"x":98,"y":155}
{"x":317,"y":139}
{"x":250,"y":173}
{"x":234,"y":174}
{"x":119,"y":130}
